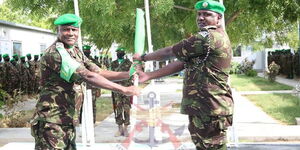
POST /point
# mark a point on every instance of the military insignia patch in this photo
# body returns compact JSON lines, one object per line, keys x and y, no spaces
{"x":205,"y":4}
{"x":203,"y":33}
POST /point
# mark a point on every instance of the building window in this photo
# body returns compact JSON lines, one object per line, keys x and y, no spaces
{"x":42,"y":47}
{"x":17,"y":48}
{"x":237,"y":52}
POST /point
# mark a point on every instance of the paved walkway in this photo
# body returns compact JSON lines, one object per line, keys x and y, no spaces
{"x":250,"y":124}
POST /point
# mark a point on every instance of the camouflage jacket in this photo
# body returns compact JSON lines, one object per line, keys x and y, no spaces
{"x":57,"y":99}
{"x":206,"y":56}
{"x":124,"y":66}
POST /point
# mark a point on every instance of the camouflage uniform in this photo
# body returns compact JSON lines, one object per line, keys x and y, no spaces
{"x":207,"y":97}
{"x":25,"y":76}
{"x":53,"y":124}
{"x":121,"y":102}
{"x":95,"y":95}
{"x":11,"y":78}
{"x":31,"y":68}
{"x":36,"y":75}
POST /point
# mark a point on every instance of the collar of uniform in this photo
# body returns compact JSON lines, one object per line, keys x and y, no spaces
{"x":208,"y":27}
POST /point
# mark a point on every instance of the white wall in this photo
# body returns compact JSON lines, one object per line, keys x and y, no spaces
{"x":30,"y":39}
{"x":258,"y":56}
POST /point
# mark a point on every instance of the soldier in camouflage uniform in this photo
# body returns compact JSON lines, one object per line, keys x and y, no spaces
{"x":121,"y":103}
{"x":10,"y":77}
{"x":17,"y":66}
{"x":15,"y":76}
{"x":63,"y":66}
{"x":206,"y":57}
{"x":31,"y":67}
{"x":5,"y":76}
{"x":95,"y":91}
{"x":25,"y":75}
{"x":37,"y":75}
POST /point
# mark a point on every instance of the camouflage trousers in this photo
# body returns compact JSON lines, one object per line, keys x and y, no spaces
{"x":209,"y":132}
{"x":122,"y":110}
{"x":51,"y":136}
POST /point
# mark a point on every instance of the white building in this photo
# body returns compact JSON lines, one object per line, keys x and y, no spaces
{"x":22,"y":39}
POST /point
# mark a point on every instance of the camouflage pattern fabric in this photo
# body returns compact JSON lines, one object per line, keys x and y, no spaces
{"x":36,"y":75}
{"x":58,"y":101}
{"x":94,"y":94}
{"x":209,"y":132}
{"x":207,"y":57}
{"x":49,"y":136}
{"x":122,"y":102}
{"x":11,"y":78}
{"x":31,"y":67}
{"x":25,"y":77}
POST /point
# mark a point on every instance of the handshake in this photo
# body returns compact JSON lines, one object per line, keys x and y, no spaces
{"x":137,"y":69}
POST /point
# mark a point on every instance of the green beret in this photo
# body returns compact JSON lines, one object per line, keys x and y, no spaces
{"x":5,"y":55}
{"x":86,"y":47}
{"x":28,"y":54}
{"x":210,"y":5}
{"x":22,"y":57}
{"x":11,"y":60}
{"x":15,"y":55}
{"x":68,"y":19}
{"x":121,"y":49}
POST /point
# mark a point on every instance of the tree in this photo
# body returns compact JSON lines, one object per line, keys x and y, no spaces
{"x":18,"y":16}
{"x":171,"y":20}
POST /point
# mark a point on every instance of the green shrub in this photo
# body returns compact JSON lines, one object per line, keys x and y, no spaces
{"x":234,"y":68}
{"x":251,"y":73}
{"x":272,"y":71}
{"x":245,"y":66}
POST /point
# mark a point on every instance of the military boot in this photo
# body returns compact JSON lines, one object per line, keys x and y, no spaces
{"x":120,"y":131}
{"x":125,"y":131}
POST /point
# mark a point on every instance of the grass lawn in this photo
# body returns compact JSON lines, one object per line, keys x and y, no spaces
{"x":104,"y":108}
{"x":245,"y":83}
{"x":21,"y":119}
{"x":282,"y":107}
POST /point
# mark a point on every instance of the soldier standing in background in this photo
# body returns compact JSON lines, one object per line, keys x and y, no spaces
{"x":6,"y":76}
{"x":9,"y":75}
{"x":17,"y":66}
{"x":206,"y":57}
{"x":121,"y":102}
{"x":32,"y":73}
{"x":95,"y":91}
{"x":36,"y":63}
{"x":25,"y":75}
{"x":15,"y":75}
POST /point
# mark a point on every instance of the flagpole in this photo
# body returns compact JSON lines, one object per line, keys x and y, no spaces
{"x":88,"y":135}
{"x":149,"y":38}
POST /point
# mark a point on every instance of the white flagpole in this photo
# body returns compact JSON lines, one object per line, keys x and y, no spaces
{"x":154,"y":131}
{"x":88,"y":136}
{"x":148,"y":28}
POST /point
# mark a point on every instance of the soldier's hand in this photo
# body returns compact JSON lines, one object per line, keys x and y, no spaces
{"x":137,"y":57}
{"x":143,"y":77}
{"x":131,"y":90}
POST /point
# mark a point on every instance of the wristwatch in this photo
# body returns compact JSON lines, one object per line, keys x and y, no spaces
{"x":143,"y":57}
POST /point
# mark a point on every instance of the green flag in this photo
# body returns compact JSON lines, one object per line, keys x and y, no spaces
{"x":139,"y":38}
